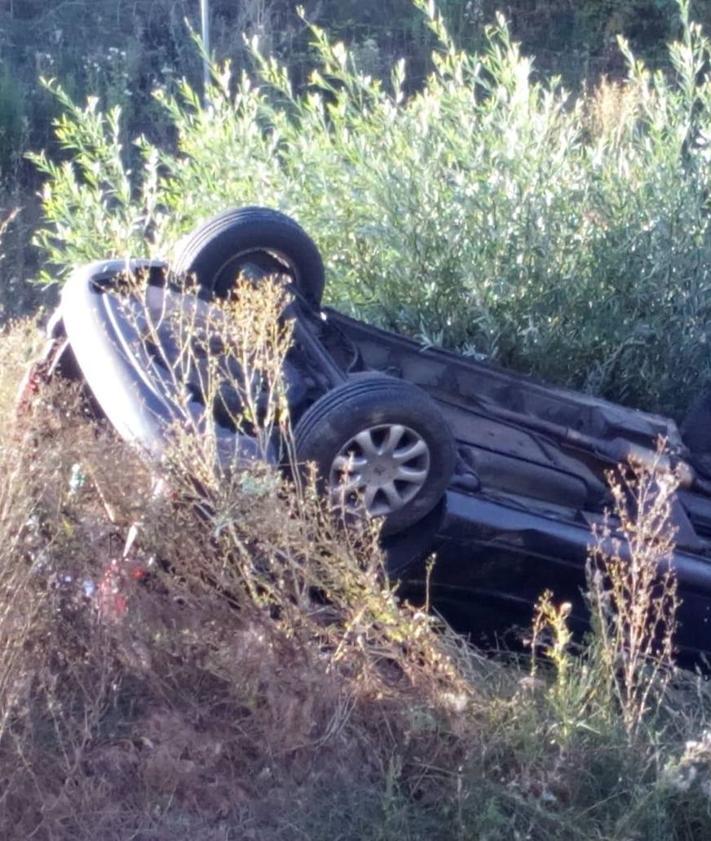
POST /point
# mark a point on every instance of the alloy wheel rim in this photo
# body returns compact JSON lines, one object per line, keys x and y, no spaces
{"x":382,"y":468}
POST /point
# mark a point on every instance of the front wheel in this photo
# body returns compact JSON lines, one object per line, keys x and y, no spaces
{"x":380,"y":443}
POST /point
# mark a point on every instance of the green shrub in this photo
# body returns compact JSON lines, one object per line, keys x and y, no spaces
{"x":489,"y":212}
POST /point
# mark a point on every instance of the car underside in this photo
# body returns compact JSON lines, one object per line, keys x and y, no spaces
{"x":510,"y":512}
{"x":531,"y":483}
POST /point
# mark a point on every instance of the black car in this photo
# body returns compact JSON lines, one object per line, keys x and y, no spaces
{"x":499,"y":475}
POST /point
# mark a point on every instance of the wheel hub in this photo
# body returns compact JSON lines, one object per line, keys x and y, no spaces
{"x":382,"y":468}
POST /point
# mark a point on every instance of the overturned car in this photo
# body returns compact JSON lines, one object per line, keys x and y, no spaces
{"x":500,"y":476}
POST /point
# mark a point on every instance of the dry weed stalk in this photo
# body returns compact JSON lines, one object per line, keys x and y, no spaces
{"x":219,"y":364}
{"x":550,"y":623}
{"x":612,"y":111}
{"x":274,"y":543}
{"x":21,"y":343}
{"x":20,"y":609}
{"x":59,"y":670}
{"x":572,"y":694}
{"x":17,"y":617}
{"x":632,"y":590}
{"x":264,"y":651}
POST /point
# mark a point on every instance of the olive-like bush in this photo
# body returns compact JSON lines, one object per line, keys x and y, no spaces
{"x":490,"y":212}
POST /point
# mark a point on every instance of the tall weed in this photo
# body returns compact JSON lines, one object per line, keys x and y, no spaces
{"x":621,"y":675}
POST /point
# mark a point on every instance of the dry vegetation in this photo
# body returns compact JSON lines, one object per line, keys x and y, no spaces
{"x":240,"y":661}
{"x":242,"y":668}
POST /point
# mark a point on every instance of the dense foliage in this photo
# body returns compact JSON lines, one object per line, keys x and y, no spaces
{"x":120,"y":51}
{"x":489,"y":212}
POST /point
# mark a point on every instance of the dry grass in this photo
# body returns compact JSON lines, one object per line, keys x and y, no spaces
{"x":612,"y":112}
{"x":242,"y":651}
{"x":21,"y":342}
{"x":241,"y":668}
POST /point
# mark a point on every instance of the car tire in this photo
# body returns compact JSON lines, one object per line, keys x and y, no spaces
{"x":380,"y":443}
{"x":271,"y":241}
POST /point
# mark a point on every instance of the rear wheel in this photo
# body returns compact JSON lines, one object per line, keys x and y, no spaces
{"x":381,"y":444}
{"x":253,"y":241}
